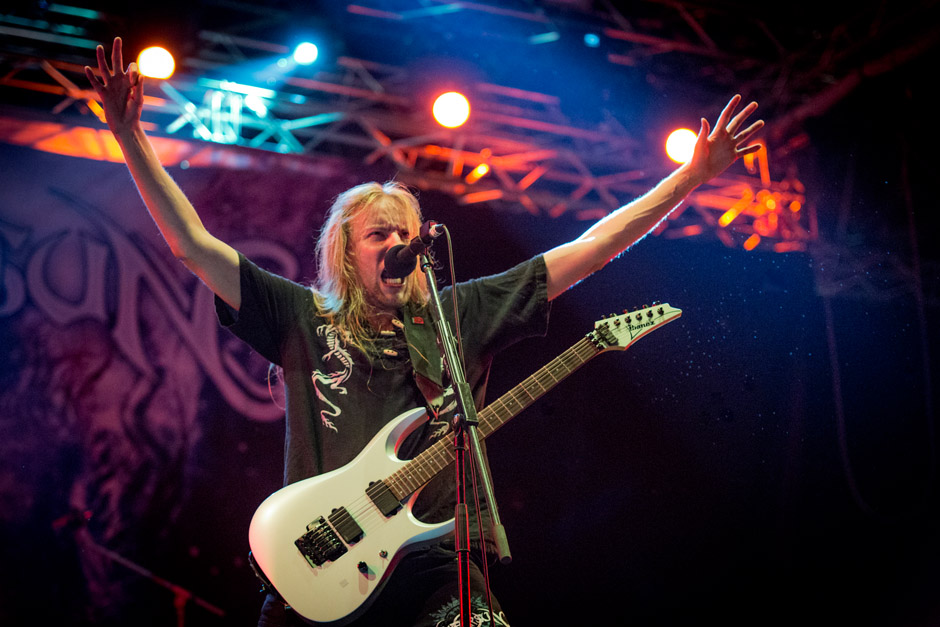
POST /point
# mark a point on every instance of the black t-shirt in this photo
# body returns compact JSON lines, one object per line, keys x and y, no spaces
{"x":338,"y":398}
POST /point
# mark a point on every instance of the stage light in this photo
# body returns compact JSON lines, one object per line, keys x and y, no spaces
{"x":735,"y":210}
{"x":680,"y":145}
{"x":256,"y":104}
{"x":451,"y":109}
{"x":477,"y":173}
{"x":591,"y":40}
{"x":544,"y":38}
{"x":305,"y":53}
{"x":156,"y":62}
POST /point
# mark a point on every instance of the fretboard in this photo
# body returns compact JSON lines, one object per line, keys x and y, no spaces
{"x":440,"y":455}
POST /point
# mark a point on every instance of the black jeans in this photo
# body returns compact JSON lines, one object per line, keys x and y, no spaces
{"x":422,"y":592}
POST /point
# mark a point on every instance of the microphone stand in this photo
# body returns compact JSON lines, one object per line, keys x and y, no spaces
{"x":76,"y":522}
{"x":181,"y":596}
{"x":465,"y":430}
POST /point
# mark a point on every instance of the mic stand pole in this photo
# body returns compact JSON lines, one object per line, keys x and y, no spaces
{"x":181,"y":596}
{"x":465,"y":429}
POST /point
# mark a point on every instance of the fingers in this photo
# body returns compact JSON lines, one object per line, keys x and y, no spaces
{"x":727,"y":112}
{"x":137,"y":88}
{"x":740,"y":117}
{"x":94,"y":80}
{"x":745,"y":135}
{"x":703,"y":133}
{"x":102,"y":64}
{"x":105,"y":73}
{"x":117,"y":56}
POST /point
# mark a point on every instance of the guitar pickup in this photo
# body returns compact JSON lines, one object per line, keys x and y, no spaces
{"x":345,"y":525}
{"x":383,"y":498}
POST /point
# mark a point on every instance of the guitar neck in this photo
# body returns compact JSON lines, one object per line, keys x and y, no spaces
{"x":534,"y":387}
{"x":440,"y":455}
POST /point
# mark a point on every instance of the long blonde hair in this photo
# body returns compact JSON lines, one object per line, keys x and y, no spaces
{"x":340,"y":297}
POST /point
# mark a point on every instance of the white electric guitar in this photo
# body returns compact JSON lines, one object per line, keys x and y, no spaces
{"x":328,"y":544}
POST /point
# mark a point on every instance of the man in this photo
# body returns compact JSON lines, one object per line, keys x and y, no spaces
{"x":354,"y":349}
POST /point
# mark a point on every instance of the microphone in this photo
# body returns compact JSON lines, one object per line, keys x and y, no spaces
{"x":401,"y":260}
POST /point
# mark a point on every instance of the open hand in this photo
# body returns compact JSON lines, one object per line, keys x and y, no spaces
{"x":718,"y":149}
{"x":121,"y":92}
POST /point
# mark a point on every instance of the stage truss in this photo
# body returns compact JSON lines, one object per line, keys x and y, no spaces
{"x":538,"y":160}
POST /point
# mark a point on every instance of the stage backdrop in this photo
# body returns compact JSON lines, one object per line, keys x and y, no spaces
{"x":716,"y":471}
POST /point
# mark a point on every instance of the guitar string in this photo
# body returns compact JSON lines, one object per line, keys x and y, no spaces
{"x":435,"y":458}
{"x":437,"y":454}
{"x":411,"y":477}
{"x":415,"y":474}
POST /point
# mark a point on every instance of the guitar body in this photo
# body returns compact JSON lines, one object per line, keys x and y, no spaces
{"x":341,"y":588}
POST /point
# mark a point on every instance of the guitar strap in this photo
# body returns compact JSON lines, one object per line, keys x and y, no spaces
{"x":426,"y":360}
{"x":428,"y":366}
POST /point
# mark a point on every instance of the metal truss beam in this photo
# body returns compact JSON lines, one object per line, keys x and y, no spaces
{"x":549,"y":169}
{"x":537,"y":160}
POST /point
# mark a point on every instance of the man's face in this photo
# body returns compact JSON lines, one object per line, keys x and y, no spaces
{"x":371,"y":234}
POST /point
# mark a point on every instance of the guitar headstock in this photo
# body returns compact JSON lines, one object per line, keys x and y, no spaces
{"x":618,"y":332}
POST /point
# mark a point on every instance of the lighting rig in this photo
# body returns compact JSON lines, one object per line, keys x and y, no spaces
{"x":236,"y":97}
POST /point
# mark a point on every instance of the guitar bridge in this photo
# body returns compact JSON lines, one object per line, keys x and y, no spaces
{"x":320,"y":544}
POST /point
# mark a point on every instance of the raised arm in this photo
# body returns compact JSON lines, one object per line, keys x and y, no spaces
{"x":714,"y":152}
{"x":122,"y":94}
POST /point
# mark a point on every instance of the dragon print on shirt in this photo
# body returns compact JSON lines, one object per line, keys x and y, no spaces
{"x":333,"y":380}
{"x":449,"y":614}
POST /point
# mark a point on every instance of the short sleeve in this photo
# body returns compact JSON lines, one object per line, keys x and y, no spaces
{"x":499,"y":310}
{"x":270,"y":307}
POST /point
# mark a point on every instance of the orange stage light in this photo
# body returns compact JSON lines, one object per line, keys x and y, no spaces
{"x":96,"y":109}
{"x":451,"y":109}
{"x":156,"y":62}
{"x":728,"y":216}
{"x":477,"y":173}
{"x":485,"y":196}
{"x":680,"y":145}
{"x":789,"y":247}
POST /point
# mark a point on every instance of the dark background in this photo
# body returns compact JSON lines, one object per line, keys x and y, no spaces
{"x":769,"y":458}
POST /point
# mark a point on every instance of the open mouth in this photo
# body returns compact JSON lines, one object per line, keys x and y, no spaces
{"x":387,"y":280}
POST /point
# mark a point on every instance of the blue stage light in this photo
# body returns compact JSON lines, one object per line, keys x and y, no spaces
{"x":305,"y":53}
